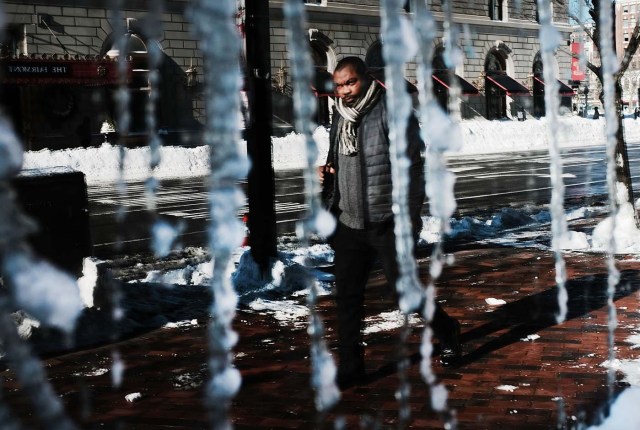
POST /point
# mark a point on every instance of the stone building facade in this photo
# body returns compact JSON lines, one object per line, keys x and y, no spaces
{"x":627,"y":15}
{"x":500,"y":67}
{"x":501,"y":37}
{"x":57,"y":113}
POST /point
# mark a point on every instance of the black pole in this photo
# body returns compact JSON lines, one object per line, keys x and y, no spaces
{"x":261,"y":188}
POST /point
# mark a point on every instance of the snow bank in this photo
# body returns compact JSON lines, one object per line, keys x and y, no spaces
{"x":480,"y":137}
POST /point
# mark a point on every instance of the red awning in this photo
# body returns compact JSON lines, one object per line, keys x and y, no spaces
{"x":507,"y":84}
{"x":442,"y":78}
{"x":563,"y":90}
{"x":29,"y":71}
{"x":378,"y":75}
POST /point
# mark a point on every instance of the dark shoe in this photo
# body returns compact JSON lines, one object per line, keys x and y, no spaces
{"x":350,"y":379}
{"x":450,"y":349}
{"x":351,"y":369}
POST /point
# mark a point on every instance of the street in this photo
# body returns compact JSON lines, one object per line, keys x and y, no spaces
{"x":485,"y":183}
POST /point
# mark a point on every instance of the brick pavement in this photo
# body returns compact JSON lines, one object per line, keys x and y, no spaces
{"x":559,"y":372}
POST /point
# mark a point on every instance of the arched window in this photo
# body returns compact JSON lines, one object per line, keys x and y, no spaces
{"x":495,"y":64}
{"x":374,"y":59}
{"x":323,"y":79}
{"x":136,"y":53}
{"x":538,"y":87}
{"x":439,"y":65}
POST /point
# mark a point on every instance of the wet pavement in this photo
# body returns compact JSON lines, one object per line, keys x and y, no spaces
{"x":544,"y":370}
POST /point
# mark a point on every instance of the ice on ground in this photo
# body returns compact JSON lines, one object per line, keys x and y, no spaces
{"x":509,"y":388}
{"x":132,"y":397}
{"x":495,"y":302}
{"x":630,"y":368}
{"x":288,"y":311}
{"x":179,"y":324}
{"x":634,"y":340}
{"x":530,"y":337}
{"x":387,"y":321}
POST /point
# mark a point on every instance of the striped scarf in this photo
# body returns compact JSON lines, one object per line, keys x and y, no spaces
{"x":351,"y":117}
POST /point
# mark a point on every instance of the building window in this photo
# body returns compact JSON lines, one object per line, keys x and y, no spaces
{"x":495,"y":10}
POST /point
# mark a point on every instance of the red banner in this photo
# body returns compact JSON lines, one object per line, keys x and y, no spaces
{"x":70,"y":72}
{"x":577,"y":72}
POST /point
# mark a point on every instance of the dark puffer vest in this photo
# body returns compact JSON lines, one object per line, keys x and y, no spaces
{"x":373,"y":144}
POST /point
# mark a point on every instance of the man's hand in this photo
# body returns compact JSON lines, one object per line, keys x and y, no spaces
{"x":327,"y":168}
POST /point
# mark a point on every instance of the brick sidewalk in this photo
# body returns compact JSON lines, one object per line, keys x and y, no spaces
{"x":561,"y":367}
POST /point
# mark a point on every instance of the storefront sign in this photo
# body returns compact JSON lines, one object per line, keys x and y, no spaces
{"x":68,"y":72}
{"x":36,"y":69}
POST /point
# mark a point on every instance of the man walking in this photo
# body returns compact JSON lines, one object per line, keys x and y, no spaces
{"x":361,"y":200}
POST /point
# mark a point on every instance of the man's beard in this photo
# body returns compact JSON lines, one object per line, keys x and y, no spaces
{"x":351,"y":101}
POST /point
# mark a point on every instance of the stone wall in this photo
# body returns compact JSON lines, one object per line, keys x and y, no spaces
{"x":346,"y":27}
{"x":88,"y":31}
{"x":349,"y":32}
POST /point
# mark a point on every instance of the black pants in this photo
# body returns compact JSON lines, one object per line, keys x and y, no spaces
{"x":355,"y":253}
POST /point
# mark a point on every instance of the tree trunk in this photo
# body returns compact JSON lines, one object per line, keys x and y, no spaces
{"x":623,"y":174}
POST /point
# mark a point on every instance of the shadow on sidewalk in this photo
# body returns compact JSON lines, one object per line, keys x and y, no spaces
{"x":531,"y":314}
{"x":538,"y":311}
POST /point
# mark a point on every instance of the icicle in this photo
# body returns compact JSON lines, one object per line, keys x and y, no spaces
{"x":48,"y":294}
{"x":214,"y":25}
{"x":122,"y":98}
{"x":163,"y":233}
{"x":400,"y":45}
{"x":609,"y":68}
{"x":154,"y":58}
{"x":441,"y":133}
{"x":549,"y":42}
{"x":453,"y":57}
{"x":318,"y":220}
{"x":29,"y":371}
{"x":14,"y":228}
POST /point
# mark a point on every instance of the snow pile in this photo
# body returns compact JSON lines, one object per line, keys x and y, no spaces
{"x":529,"y":227}
{"x":479,"y":137}
{"x":623,"y":414}
{"x":100,"y":164}
{"x":630,"y":368}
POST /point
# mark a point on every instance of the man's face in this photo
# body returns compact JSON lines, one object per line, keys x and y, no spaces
{"x":349,"y":85}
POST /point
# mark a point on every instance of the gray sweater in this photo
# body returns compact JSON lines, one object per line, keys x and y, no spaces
{"x":371,"y":204}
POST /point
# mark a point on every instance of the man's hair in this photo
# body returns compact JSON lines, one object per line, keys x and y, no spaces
{"x":358,"y":65}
